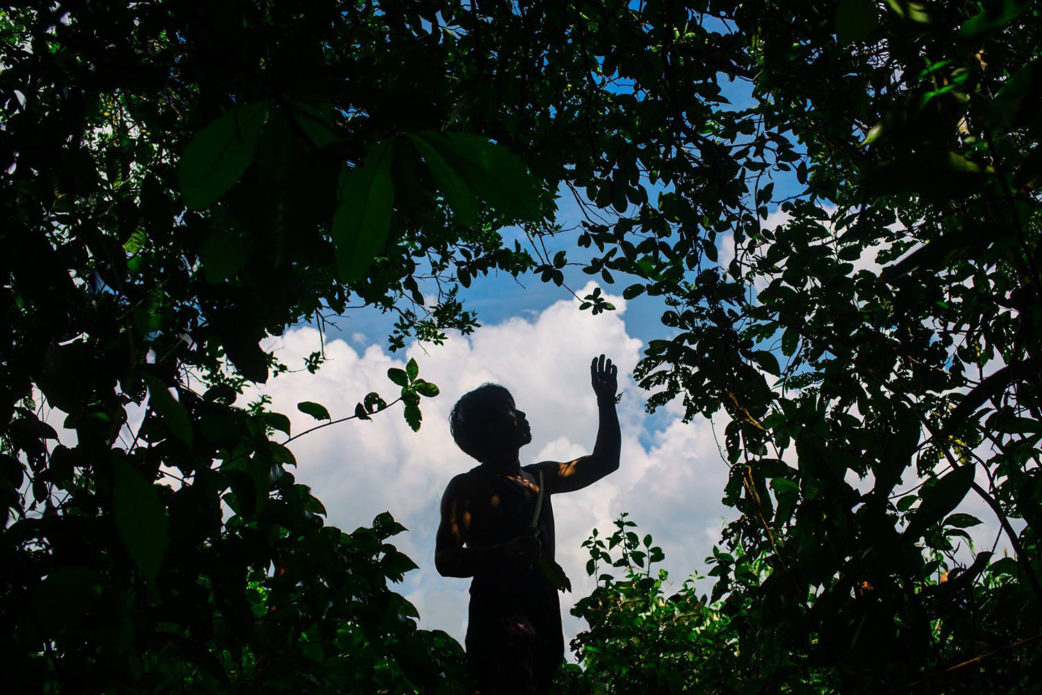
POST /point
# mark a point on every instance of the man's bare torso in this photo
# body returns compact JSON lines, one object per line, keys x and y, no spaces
{"x":498,"y":508}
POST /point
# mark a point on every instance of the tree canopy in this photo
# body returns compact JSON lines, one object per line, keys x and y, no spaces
{"x":182,"y":180}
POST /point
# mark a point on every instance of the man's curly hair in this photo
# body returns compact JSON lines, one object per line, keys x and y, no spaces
{"x":472,"y":417}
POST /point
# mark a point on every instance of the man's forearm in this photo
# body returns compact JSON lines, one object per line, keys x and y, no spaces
{"x":609,"y":435}
{"x":467,"y":562}
{"x":464,"y":562}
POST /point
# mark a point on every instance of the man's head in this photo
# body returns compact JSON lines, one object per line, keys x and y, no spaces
{"x":485,"y":421}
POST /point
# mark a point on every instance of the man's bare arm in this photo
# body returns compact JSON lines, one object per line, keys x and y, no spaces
{"x":577,"y":474}
{"x":453,"y":558}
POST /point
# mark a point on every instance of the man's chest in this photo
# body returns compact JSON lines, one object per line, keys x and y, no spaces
{"x":501,"y":508}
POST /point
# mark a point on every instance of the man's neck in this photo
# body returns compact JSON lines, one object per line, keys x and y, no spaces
{"x":509,"y":463}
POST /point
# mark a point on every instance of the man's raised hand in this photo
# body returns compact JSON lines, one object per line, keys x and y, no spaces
{"x":604,"y":377}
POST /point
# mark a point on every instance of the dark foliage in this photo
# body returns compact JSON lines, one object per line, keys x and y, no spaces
{"x":181,"y":180}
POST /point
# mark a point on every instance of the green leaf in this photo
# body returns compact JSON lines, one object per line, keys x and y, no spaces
{"x":315,"y":410}
{"x":497,"y":175}
{"x":413,"y":416}
{"x":398,"y":376}
{"x":1005,"y":565}
{"x":280,"y":454}
{"x":988,"y":388}
{"x":940,"y":498}
{"x":140,"y":518}
{"x":790,"y":340}
{"x":374,"y":402}
{"x":222,"y":255}
{"x":169,"y":409}
{"x":426,"y":388}
{"x":1015,"y":95}
{"x":994,"y":16}
{"x":246,"y":355}
{"x":554,"y":573}
{"x":633,"y":291}
{"x":855,"y":20}
{"x":962,"y":521}
{"x":906,"y":502}
{"x":276,"y":421}
{"x":136,"y":242}
{"x":219,"y":154}
{"x":767,"y":361}
{"x":362,"y":223}
{"x":456,"y":190}
{"x":386,"y":525}
{"x":909,"y":10}
{"x":395,"y":564}
{"x":412,"y":369}
{"x":316,"y":120}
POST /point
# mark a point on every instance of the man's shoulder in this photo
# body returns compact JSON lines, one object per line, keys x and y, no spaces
{"x":464,"y":480}
{"x":545,"y":466}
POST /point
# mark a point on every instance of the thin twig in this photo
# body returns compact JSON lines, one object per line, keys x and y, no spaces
{"x":343,"y":419}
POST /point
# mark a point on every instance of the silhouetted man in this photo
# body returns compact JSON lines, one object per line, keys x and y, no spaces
{"x":497,"y":526}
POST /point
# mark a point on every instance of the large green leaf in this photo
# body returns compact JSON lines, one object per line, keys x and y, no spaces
{"x":497,"y":175}
{"x":169,"y":409}
{"x":246,"y":355}
{"x":940,"y":498}
{"x":363,"y":221}
{"x":452,"y":185}
{"x":140,"y":518}
{"x":219,"y":154}
{"x":994,"y":16}
{"x":223,"y":254}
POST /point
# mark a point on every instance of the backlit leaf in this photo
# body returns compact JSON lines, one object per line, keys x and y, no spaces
{"x":452,"y":185}
{"x":174,"y":415}
{"x":362,"y":222}
{"x":315,"y":410}
{"x":140,"y":518}
{"x":940,"y":498}
{"x":220,"y":153}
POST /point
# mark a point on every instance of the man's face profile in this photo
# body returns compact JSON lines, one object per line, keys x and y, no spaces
{"x":511,"y":425}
